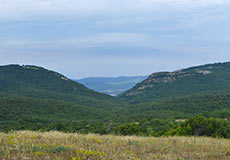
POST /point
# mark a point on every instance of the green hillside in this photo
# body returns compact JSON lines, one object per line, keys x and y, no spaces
{"x":206,"y":79}
{"x":37,"y":82}
{"x":34,"y":113}
{"x":210,"y":105}
{"x":32,"y":97}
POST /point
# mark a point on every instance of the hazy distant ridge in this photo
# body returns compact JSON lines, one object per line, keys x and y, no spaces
{"x":111,"y":85}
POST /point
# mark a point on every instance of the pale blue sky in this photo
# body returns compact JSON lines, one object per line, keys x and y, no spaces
{"x":83,"y":38}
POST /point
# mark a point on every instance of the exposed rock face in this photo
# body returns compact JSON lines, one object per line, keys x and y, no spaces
{"x":61,"y":76}
{"x":30,"y":67}
{"x":204,"y":72}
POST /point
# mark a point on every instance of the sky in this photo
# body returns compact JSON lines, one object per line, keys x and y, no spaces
{"x":95,"y":38}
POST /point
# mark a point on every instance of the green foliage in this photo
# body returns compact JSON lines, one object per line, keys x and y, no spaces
{"x":19,"y":113}
{"x":201,"y":126}
{"x":59,"y":148}
{"x":212,"y":105}
{"x":37,"y":148}
{"x":195,"y":126}
{"x":127,"y":129}
{"x":153,"y":127}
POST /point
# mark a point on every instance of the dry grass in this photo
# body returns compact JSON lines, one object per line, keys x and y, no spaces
{"x":28,"y":145}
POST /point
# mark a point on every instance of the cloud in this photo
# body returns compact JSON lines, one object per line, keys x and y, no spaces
{"x":33,"y":9}
{"x":80,"y":42}
{"x":97,"y":36}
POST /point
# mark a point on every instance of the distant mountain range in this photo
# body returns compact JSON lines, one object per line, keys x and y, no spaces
{"x":111,"y":85}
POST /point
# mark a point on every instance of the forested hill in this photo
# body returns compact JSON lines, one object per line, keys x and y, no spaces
{"x":37,"y":82}
{"x":32,"y":97}
{"x":15,"y":79}
{"x":205,"y":79}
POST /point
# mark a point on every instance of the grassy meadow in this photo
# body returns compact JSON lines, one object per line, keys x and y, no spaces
{"x":27,"y":145}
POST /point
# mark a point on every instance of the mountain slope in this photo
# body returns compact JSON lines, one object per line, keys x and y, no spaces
{"x":111,"y":85}
{"x":19,"y":112}
{"x":32,"y":97}
{"x":210,"y":78}
{"x":211,"y":105}
{"x":37,"y":82}
{"x":14,"y":78}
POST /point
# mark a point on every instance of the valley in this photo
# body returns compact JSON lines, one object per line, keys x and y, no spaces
{"x":111,"y":85}
{"x":162,"y":111}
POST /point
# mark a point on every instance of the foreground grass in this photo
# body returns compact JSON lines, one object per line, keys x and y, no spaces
{"x":26,"y":145}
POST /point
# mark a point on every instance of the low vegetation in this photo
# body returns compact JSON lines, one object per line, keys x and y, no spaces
{"x":66,"y":146}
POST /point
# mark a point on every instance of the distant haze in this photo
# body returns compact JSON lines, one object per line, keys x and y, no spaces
{"x":111,"y":85}
{"x":86,"y":38}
